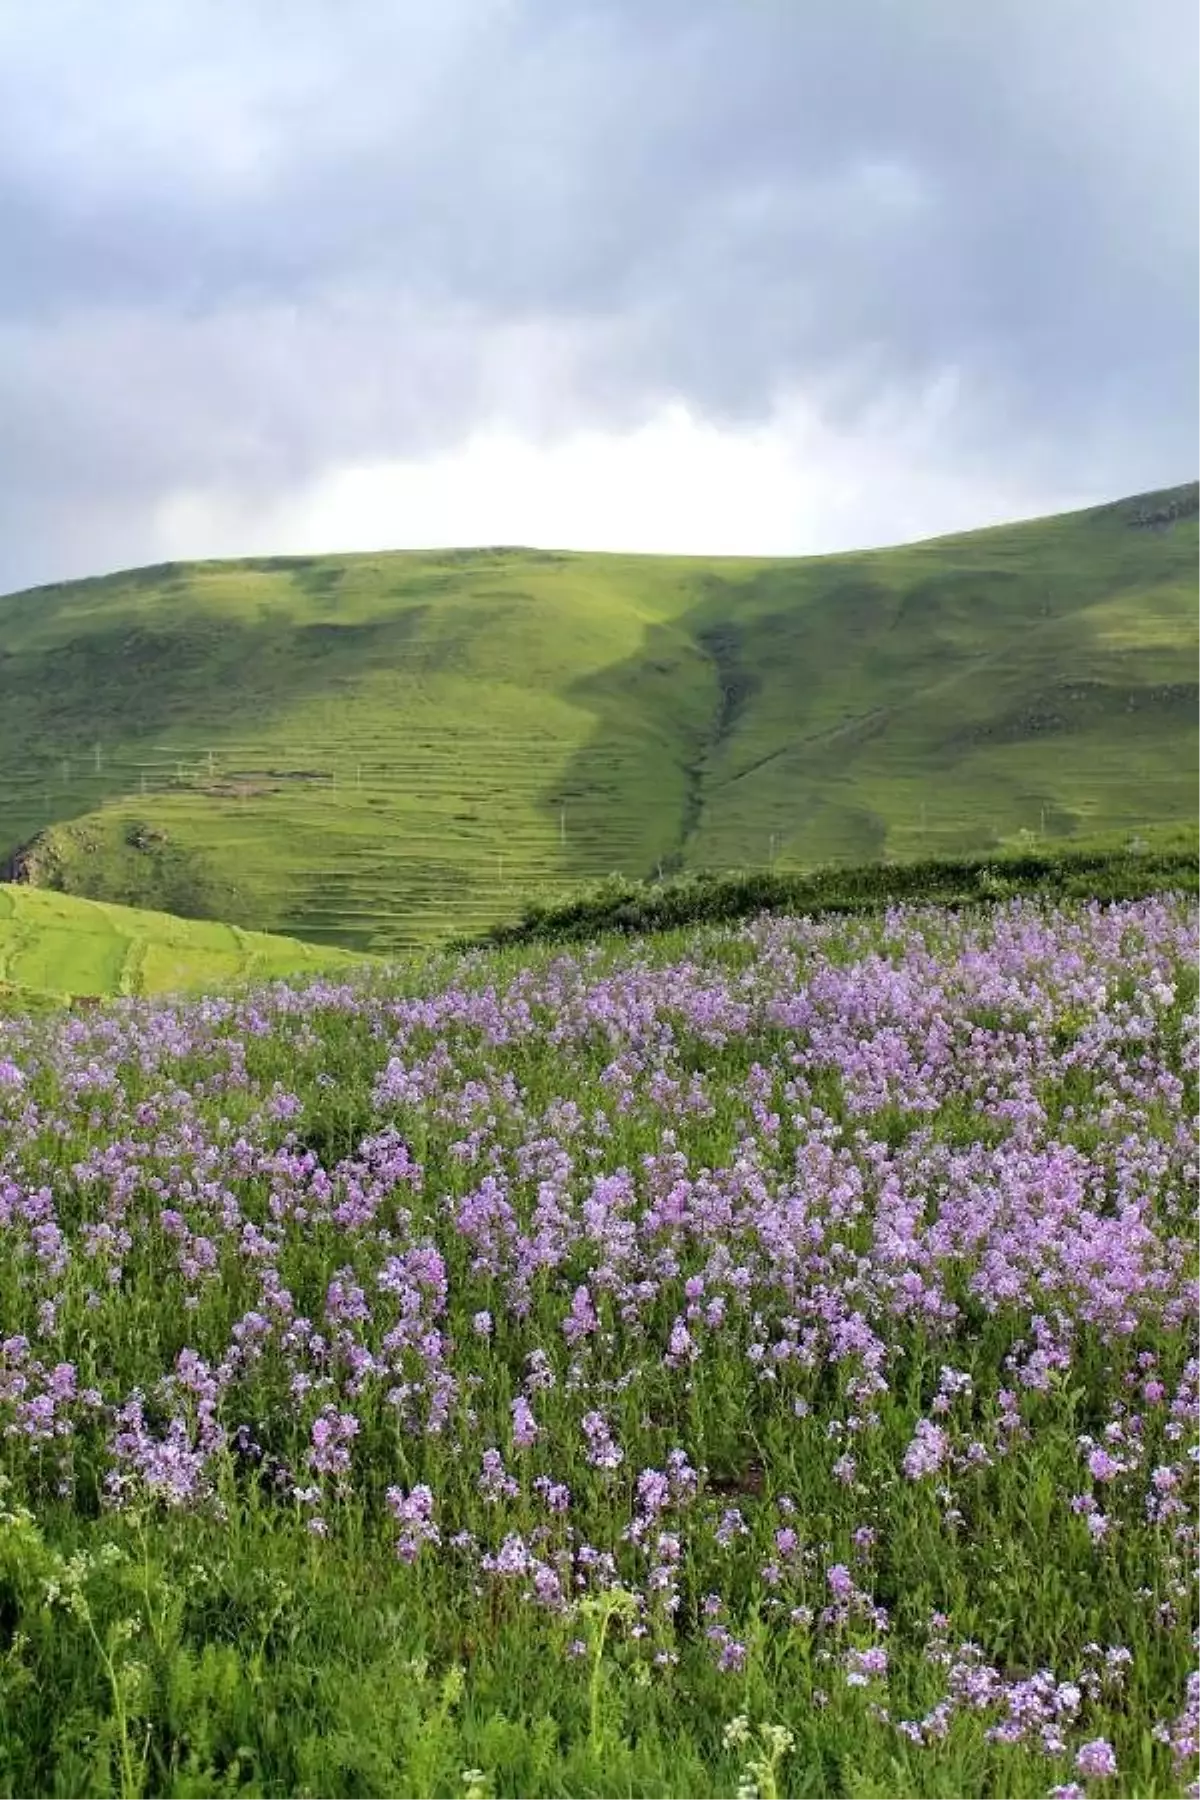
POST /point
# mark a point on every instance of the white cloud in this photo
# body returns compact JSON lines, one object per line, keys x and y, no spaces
{"x":681,"y":275}
{"x":794,"y":485}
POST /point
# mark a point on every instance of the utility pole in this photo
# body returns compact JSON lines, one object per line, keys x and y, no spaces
{"x":562,"y":824}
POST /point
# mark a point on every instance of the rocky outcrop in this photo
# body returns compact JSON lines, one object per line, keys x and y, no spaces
{"x":34,"y":864}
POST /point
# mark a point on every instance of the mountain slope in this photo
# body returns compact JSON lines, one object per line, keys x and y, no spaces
{"x":374,"y":750}
{"x":57,"y":944}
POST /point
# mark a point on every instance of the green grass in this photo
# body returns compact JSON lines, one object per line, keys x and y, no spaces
{"x":380,"y":750}
{"x":56,"y":945}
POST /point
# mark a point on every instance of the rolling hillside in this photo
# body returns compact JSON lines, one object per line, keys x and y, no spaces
{"x":377,"y":750}
{"x":55,"y":945}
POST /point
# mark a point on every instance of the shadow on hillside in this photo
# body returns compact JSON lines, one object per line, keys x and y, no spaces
{"x":726,"y":644}
{"x":843,"y":695}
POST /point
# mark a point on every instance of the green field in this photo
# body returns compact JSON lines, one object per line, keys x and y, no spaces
{"x":54,"y":945}
{"x":380,"y":750}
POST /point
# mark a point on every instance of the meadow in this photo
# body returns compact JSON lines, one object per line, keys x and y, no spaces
{"x":759,"y":1358}
{"x":375,"y":751}
{"x":55,"y":947}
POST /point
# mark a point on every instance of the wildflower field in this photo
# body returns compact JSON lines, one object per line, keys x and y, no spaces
{"x":761,"y":1359}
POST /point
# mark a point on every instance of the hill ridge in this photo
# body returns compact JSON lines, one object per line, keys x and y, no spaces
{"x":382,"y":748}
{"x":300,"y":559}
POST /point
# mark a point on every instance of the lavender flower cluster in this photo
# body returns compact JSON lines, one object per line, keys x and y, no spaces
{"x":690,"y":1273}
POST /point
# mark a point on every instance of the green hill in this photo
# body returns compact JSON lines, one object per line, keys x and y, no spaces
{"x":378,"y":750}
{"x":54,"y":945}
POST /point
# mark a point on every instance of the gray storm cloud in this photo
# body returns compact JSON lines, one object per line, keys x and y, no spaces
{"x":244,"y":244}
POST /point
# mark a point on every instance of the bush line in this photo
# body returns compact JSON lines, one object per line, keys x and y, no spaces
{"x":630,"y":907}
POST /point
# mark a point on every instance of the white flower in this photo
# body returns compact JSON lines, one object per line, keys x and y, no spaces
{"x":737,"y":1732}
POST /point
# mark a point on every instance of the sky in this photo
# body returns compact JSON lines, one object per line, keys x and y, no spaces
{"x":701,"y":276}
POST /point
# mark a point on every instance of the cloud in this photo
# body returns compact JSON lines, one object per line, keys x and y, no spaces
{"x":676,"y":480}
{"x":252,"y":251}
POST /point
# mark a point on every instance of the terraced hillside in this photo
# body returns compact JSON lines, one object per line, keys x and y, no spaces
{"x":55,"y":945}
{"x":376,"y":750}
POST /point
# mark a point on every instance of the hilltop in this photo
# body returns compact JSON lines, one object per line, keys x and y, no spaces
{"x":378,"y":750}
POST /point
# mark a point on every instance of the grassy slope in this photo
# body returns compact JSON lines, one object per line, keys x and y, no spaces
{"x":56,"y":944}
{"x":375,"y":750}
